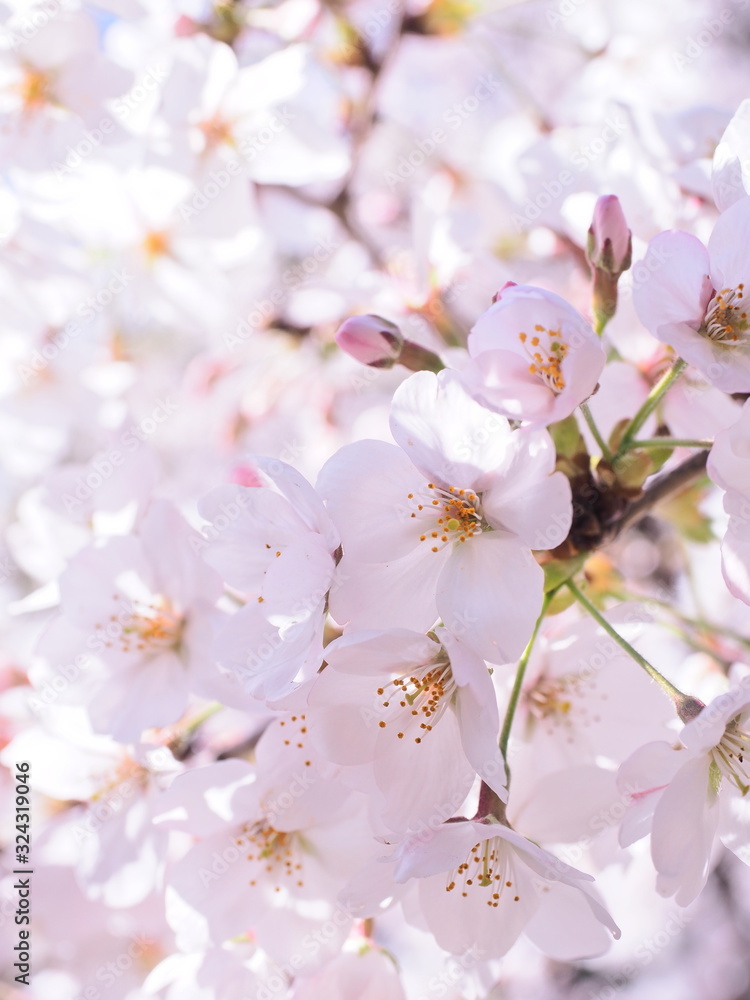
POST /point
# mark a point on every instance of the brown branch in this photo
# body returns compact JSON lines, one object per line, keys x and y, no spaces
{"x":661,"y":489}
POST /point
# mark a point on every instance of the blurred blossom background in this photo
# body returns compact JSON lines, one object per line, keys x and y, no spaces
{"x":193,"y":198}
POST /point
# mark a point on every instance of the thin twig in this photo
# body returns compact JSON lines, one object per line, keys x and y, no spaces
{"x":666,"y":486}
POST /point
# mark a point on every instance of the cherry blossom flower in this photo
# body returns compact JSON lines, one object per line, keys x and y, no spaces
{"x":583,"y":696}
{"x":690,"y":793}
{"x":444,"y":525}
{"x":53,"y":86}
{"x":261,"y":117}
{"x":413,"y":706}
{"x":694,"y":297}
{"x":534,"y":358}
{"x":135,"y":629}
{"x":274,"y":544}
{"x":275,"y":846}
{"x":482,"y":884}
{"x":196,"y":195}
{"x":109,"y":837}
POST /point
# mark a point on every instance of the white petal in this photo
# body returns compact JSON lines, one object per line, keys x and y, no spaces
{"x":448,"y":436}
{"x":728,"y":247}
{"x":730,"y":178}
{"x":367,"y":486}
{"x":528,"y":501}
{"x":248,"y":525}
{"x":204,"y":800}
{"x":566,"y":928}
{"x":490,"y":595}
{"x":685,"y":822}
{"x":398,"y":594}
{"x":422,"y":783}
{"x":569,"y":805}
{"x":296,"y":583}
{"x":671,"y":284}
{"x":462,"y":922}
{"x":641,"y":779}
{"x":479,"y":723}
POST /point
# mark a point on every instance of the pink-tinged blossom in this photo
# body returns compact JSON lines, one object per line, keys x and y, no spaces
{"x":276,"y":844}
{"x":729,"y":467}
{"x":134,"y":634}
{"x":217,"y":110}
{"x":690,"y":793}
{"x":584,"y":698}
{"x":697,"y":298}
{"x":533,"y":357}
{"x":443,"y":526}
{"x":53,"y":86}
{"x":417,"y":715}
{"x":108,"y":835}
{"x":274,"y":544}
{"x":481,"y":885}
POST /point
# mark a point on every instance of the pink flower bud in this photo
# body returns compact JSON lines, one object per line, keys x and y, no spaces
{"x":609,"y":247}
{"x":185,"y":26}
{"x":371,"y":340}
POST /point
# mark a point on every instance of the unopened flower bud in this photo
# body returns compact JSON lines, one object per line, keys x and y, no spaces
{"x":185,"y":26}
{"x":371,"y":340}
{"x":610,"y":242}
{"x":609,"y":250}
{"x":377,"y":342}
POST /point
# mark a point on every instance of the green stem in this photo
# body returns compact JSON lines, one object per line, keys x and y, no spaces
{"x":589,"y":417}
{"x":600,"y":322}
{"x":666,"y":442}
{"x":650,"y":403}
{"x":518,"y":683}
{"x":687,"y":707}
{"x":417,"y":358}
{"x":197,"y":721}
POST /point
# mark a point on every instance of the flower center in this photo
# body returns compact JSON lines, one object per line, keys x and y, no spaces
{"x":416,"y":702}
{"x":729,"y":756}
{"x":549,"y":698}
{"x":216,"y":130}
{"x":34,"y":88}
{"x":547,"y":351}
{"x":726,"y":320}
{"x":142,"y":626}
{"x":155,"y":244}
{"x":126,"y":770}
{"x":458,"y":515}
{"x":565,"y":707}
{"x":272,"y":850}
{"x":488,"y":866}
{"x":155,"y":626}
